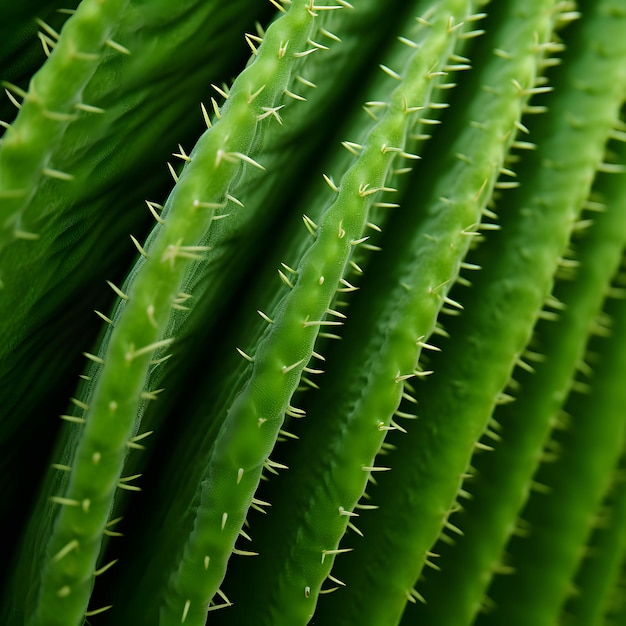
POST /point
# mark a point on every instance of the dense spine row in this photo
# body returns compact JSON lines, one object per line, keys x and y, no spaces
{"x":588,"y":447}
{"x":53,"y":283}
{"x":336,"y":458}
{"x":486,"y":129}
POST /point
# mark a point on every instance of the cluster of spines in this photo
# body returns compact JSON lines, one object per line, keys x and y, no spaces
{"x":288,"y":275}
{"x":81,"y":224}
{"x":188,"y":595}
{"x":440,"y":80}
{"x":290,"y":278}
{"x":479,"y":178}
{"x":579,"y":457}
{"x":332,"y":228}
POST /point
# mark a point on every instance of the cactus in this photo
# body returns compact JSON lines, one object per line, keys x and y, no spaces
{"x":361,"y":359}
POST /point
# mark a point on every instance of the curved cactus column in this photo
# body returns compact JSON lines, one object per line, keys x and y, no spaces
{"x":456,"y":402}
{"x":503,"y":477}
{"x":138,"y":327}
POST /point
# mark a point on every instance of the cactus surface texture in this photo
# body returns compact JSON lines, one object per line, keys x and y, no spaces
{"x":313,"y":312}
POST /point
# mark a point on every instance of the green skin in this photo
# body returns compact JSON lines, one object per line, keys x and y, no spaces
{"x":288,"y":577}
{"x":588,"y":453}
{"x":503,"y":477}
{"x":614,"y":612}
{"x":51,"y":104}
{"x":319,"y":98}
{"x":486,"y":343}
{"x":140,"y":325}
{"x":21,"y":53}
{"x":88,"y":147}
